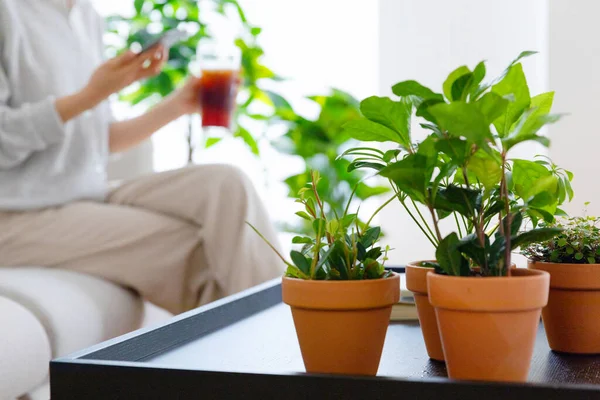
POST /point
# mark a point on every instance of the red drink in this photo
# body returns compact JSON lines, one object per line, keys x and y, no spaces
{"x":217,"y":97}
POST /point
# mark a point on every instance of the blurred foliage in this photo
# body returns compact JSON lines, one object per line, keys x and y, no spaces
{"x":317,"y":141}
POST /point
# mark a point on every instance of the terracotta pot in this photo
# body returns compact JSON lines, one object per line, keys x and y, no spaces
{"x":416,"y":282}
{"x":572,"y":316}
{"x":488,"y":325}
{"x":341,"y":325}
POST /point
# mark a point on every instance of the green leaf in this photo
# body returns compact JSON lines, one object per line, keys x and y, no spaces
{"x":458,"y":199}
{"x":354,"y":165}
{"x":515,"y":84}
{"x":517,"y":220}
{"x":538,"y":213}
{"x":532,"y":121}
{"x":293,"y":272}
{"x":304,"y":215}
{"x":391,"y":155}
{"x":486,"y":169}
{"x":370,"y":236}
{"x":369,"y":131}
{"x":423,"y":111}
{"x":211,"y":141}
{"x":411,"y":175}
{"x":450,"y":258}
{"x":333,"y":226}
{"x":461,"y":87}
{"x":522,"y":55}
{"x":569,"y":188}
{"x":278,"y":101}
{"x":300,"y":261}
{"x":394,"y":115}
{"x":374,"y":253}
{"x":319,"y":226}
{"x":469,"y":245}
{"x":492,"y":106}
{"x":324,"y":258}
{"x":348,"y":220}
{"x":138,"y":4}
{"x":530,"y":179}
{"x":462,"y":119}
{"x":361,"y":251}
{"x":364,"y":191}
{"x":454,"y":75}
{"x":247,"y":137}
{"x":478,"y":75}
{"x":445,"y":171}
{"x":414,"y":88}
{"x":456,"y":148}
{"x":533,"y":236}
{"x":301,"y":239}
{"x":494,"y":209}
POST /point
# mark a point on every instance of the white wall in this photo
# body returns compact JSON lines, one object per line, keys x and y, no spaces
{"x":574,"y":74}
{"x":426,"y":39}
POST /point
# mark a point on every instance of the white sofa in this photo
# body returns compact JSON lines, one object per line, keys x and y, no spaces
{"x":47,"y":313}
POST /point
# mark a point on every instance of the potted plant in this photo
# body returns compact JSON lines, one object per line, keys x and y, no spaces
{"x":487,"y":313}
{"x":340,"y":294}
{"x":573,"y":260}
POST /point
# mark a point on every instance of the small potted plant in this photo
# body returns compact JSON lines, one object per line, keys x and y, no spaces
{"x":486,"y":311}
{"x":339,"y":292}
{"x":572,"y":316}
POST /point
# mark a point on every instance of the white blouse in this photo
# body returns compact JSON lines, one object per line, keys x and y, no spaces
{"x":48,"y":50}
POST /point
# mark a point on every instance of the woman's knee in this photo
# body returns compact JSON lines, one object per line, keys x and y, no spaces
{"x":231,"y":181}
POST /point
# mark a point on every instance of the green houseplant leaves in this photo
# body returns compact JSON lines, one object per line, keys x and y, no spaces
{"x":463,"y":169}
{"x":339,"y":249}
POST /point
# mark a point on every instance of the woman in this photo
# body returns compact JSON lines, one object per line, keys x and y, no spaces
{"x":179,"y":238}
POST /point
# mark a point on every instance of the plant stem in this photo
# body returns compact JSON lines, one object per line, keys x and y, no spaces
{"x":466,"y":176}
{"x":457,"y":225}
{"x":507,"y":228}
{"x":424,"y":220}
{"x":435,"y":224}
{"x":189,"y":140}
{"x":429,"y":237}
{"x":379,"y":209}
{"x":464,"y":221}
{"x":274,"y":249}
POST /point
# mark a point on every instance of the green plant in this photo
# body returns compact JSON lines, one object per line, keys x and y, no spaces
{"x":339,"y":249}
{"x":462,"y":169}
{"x":318,"y":141}
{"x":578,"y":243}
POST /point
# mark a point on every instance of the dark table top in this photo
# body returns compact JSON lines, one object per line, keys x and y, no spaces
{"x":266,"y":343}
{"x":246,"y":347}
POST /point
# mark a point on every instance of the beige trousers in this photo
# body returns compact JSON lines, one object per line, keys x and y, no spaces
{"x":178,"y":238}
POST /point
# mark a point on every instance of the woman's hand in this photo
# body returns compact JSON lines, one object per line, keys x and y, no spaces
{"x":121,"y":71}
{"x":111,"y":77}
{"x":186,"y":99}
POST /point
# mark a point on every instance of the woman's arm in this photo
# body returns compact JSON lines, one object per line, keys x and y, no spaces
{"x":127,"y":134}
{"x":109,"y":78}
{"x":36,"y":126}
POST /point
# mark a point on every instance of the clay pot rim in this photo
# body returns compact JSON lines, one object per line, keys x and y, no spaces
{"x":526,"y":291}
{"x":416,"y":277}
{"x":569,"y":276}
{"x":571,"y":265}
{"x":341,"y":295}
{"x":348,"y":281}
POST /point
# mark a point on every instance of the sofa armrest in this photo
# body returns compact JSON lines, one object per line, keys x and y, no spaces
{"x":24,"y":350}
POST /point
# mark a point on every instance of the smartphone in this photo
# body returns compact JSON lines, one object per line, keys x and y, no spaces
{"x":167,"y":39}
